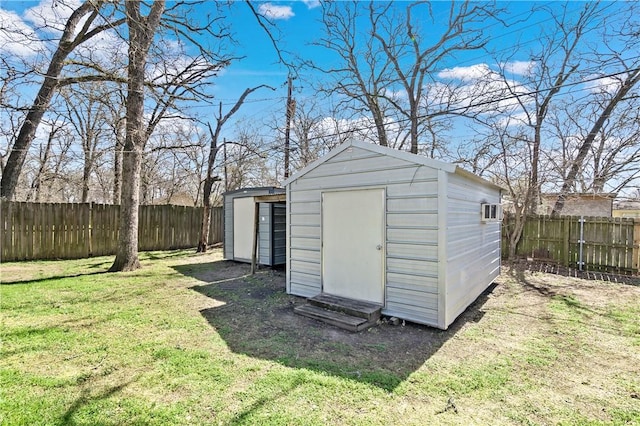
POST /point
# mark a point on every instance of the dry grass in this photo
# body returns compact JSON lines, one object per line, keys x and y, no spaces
{"x":191,"y":339}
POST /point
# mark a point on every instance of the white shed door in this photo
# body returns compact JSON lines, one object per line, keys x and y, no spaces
{"x":243,"y":218}
{"x":353,"y":244}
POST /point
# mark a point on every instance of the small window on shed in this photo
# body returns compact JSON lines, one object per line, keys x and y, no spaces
{"x":491,"y":212}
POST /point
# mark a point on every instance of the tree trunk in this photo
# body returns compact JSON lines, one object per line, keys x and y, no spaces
{"x":516,"y":234}
{"x":378,"y":119}
{"x":117,"y":171}
{"x":27,"y":133}
{"x":414,"y":128}
{"x":37,"y":185}
{"x":534,"y":183}
{"x":213,"y":153}
{"x":127,"y":251}
{"x":141,"y":33}
{"x":86,"y":175}
{"x":206,"y":215}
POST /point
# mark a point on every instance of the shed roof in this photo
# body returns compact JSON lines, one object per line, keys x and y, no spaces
{"x":252,"y":190}
{"x":390,"y":152}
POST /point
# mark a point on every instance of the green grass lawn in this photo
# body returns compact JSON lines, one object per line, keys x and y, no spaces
{"x":191,"y":339}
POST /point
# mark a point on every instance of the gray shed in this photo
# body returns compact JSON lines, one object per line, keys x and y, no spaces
{"x":239,"y":219}
{"x":416,"y":236}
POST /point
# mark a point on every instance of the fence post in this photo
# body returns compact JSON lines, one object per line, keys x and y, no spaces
{"x":90,"y":230}
{"x":636,"y":245}
{"x":581,"y":243}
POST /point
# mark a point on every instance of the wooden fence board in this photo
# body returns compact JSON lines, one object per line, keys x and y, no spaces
{"x":216,"y":226}
{"x":636,"y":247}
{"x":609,"y":244}
{"x":67,"y":231}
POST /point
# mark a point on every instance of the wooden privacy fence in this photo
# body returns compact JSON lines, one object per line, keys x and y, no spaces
{"x":588,"y":243}
{"x":33,"y":231}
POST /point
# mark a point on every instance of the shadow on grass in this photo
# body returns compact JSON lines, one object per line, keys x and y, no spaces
{"x":256,"y":319}
{"x":244,"y":417}
{"x":166,"y":254}
{"x":86,"y":398}
{"x":55,"y":277}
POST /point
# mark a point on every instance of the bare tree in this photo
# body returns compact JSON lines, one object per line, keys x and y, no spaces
{"x":364,"y":72}
{"x":79,"y":29}
{"x":179,"y":82}
{"x":315,"y":132}
{"x":210,"y":179}
{"x":142,"y":30}
{"x":386,"y":68}
{"x":558,"y":60}
{"x":399,"y":40}
{"x":251,"y":160}
{"x":613,"y":162}
{"x":114,"y":101}
{"x":87,"y":114}
{"x":44,"y":157}
{"x":630,"y":79}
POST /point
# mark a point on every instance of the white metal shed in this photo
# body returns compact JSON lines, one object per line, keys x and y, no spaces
{"x":417,"y":236}
{"x":239,"y":220}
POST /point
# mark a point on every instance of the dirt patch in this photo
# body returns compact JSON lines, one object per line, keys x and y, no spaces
{"x":555,"y":269}
{"x":535,"y":338}
{"x":255,"y":316}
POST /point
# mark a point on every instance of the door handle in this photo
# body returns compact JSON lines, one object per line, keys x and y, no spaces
{"x":379,"y":247}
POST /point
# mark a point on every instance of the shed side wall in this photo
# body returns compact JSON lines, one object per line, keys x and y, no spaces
{"x":228,"y":227}
{"x":411,"y":228}
{"x":473,"y":247}
{"x":264,"y":234}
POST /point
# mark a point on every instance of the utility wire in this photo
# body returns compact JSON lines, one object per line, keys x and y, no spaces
{"x":443,"y":112}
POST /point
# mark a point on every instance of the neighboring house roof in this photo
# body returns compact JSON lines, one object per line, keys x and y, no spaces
{"x":401,"y":155}
{"x":579,"y":203}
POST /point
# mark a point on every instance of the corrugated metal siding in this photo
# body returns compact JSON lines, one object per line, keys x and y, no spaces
{"x":411,"y":228}
{"x":228,"y":227}
{"x":473,"y":247}
{"x":304,"y":242}
{"x":272,"y":230}
{"x":279,"y":233}
{"x":264,"y":234}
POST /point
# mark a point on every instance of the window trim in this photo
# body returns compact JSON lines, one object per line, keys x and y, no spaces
{"x":491,"y":212}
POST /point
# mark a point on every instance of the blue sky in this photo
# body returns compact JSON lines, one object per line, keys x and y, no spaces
{"x":296,"y":26}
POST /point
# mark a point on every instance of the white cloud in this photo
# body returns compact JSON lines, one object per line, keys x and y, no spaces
{"x":41,"y":26}
{"x":605,"y":84}
{"x":51,"y":15}
{"x":311,"y":4}
{"x":523,"y":68}
{"x":272,"y":11}
{"x":474,"y":72}
{"x":516,"y":119}
{"x":16,"y":37}
{"x":481,"y":89}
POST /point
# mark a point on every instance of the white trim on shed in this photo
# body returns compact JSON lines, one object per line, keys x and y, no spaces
{"x":432,"y":221}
